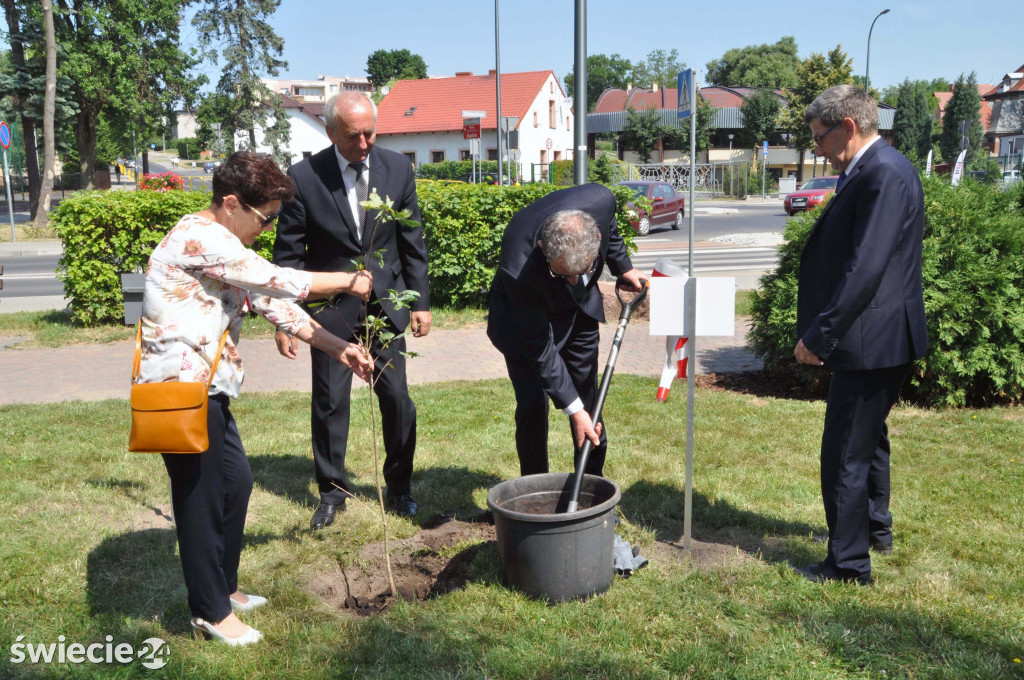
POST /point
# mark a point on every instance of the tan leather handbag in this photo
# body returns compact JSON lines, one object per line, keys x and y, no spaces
{"x":169,"y":417}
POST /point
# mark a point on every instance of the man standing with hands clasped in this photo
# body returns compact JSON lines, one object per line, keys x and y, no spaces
{"x":860,"y":313}
{"x":326,"y":229}
{"x":545,"y":308}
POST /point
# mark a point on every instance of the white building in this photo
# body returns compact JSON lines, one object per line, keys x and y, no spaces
{"x":423,"y":118}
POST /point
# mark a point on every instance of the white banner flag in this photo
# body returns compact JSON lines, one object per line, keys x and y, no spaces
{"x":958,"y":170}
{"x":928,"y":166}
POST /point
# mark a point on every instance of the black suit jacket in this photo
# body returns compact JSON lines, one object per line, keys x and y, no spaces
{"x":317,"y":232}
{"x":531,"y":313}
{"x":860,"y":304}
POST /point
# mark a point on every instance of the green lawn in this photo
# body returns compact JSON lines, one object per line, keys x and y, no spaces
{"x":83,"y":553}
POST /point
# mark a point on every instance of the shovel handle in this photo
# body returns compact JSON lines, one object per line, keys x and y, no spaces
{"x":629,"y":306}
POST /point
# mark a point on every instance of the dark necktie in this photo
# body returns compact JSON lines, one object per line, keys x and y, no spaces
{"x":362,"y":193}
{"x":839,"y":182}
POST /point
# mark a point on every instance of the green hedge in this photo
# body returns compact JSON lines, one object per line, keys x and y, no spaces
{"x":106,"y":233}
{"x":453,"y":169}
{"x":973,"y":280}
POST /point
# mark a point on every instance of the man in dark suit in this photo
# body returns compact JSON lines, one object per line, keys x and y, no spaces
{"x":325,"y":229}
{"x":544,"y":313}
{"x":860,"y":313}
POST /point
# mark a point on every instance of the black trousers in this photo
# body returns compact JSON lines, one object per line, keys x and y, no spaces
{"x":855,"y":465}
{"x":332,"y":386}
{"x":579,"y":352}
{"x":210,"y":495}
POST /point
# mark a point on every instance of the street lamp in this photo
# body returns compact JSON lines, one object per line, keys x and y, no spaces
{"x":730,"y":163}
{"x":867,"y":64}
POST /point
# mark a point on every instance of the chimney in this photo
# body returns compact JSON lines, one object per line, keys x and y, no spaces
{"x":463,"y":74}
{"x":654,"y":87}
{"x":491,"y":72}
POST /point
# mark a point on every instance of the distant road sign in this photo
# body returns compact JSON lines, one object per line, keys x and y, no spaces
{"x":685,"y":105}
{"x":471,"y":128}
{"x":5,"y":135}
{"x":765,"y":147}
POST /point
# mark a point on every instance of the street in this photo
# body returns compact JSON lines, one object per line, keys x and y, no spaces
{"x":29,"y":280}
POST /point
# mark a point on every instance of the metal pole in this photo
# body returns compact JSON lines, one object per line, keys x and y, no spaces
{"x":730,"y":165}
{"x":691,"y":316}
{"x":580,"y":98}
{"x":693,"y":156}
{"x":497,"y":81}
{"x":867,"y":63}
{"x":10,"y":198}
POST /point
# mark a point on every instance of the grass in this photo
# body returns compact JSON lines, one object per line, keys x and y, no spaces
{"x":81,"y":557}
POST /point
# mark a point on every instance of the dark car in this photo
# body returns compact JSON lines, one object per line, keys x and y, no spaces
{"x":667,"y":205}
{"x":813,"y":192}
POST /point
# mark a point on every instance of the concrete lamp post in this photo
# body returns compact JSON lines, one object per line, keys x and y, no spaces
{"x":867,"y":63}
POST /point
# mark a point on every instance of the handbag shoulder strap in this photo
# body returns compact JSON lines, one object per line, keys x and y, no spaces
{"x":137,"y":362}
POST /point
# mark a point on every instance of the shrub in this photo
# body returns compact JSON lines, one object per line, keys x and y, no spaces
{"x":165,"y":181}
{"x":110,"y":232}
{"x":106,"y":233}
{"x":463,"y":226}
{"x":562,"y":173}
{"x":453,"y":169}
{"x":973,"y":279}
{"x":188,"y":147}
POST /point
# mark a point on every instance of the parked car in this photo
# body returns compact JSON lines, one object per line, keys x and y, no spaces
{"x":208,"y":166}
{"x":813,"y":192}
{"x":668,"y":206}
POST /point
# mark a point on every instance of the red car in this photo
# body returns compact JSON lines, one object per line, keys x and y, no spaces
{"x":813,"y":192}
{"x":668,"y":206}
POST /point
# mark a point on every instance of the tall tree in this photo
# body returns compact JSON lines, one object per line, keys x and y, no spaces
{"x":677,"y":136}
{"x":603,"y":72}
{"x":817,"y":73}
{"x":122,"y":58}
{"x":963,"y":112}
{"x":912,"y":125}
{"x":22,"y":85}
{"x":384,"y":65}
{"x":769,"y":66}
{"x":927,"y":87}
{"x":760,"y":118}
{"x":240,"y":32}
{"x":49,"y":106}
{"x":659,"y":67}
{"x":642,"y":133}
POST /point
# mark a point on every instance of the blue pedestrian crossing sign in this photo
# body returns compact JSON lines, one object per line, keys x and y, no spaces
{"x":765,"y":147}
{"x":5,"y":135}
{"x":685,"y":80}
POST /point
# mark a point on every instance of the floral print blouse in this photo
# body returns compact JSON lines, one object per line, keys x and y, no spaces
{"x":201,"y":280}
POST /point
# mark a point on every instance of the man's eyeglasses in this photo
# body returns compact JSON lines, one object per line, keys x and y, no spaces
{"x":265,"y":220}
{"x":589,"y":273}
{"x":817,"y":138}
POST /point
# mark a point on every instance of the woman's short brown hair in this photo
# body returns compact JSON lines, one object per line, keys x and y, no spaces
{"x":253,"y":178}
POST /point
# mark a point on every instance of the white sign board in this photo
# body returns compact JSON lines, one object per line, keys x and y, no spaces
{"x":716,"y":305}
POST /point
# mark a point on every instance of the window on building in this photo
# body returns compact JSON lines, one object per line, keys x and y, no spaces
{"x":551,"y":88}
{"x":556,"y":155}
{"x":411,"y":155}
{"x":334,"y":89}
{"x":536,"y":119}
{"x":543,"y":156}
{"x":568,"y":122}
{"x":551,"y":114}
{"x":437,"y":156}
{"x":492,"y":154}
{"x":464,"y":155}
{"x":309,"y":91}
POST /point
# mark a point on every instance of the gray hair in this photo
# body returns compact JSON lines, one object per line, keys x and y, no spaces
{"x":845,"y":101}
{"x":571,"y":237}
{"x":346,"y":100}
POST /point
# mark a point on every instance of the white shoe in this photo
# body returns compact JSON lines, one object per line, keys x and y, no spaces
{"x":254,"y":601}
{"x":207,"y":629}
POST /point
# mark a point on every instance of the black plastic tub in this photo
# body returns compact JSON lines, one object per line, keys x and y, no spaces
{"x":546,"y":552}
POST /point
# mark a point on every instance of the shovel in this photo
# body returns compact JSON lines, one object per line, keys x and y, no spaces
{"x":627,"y":310}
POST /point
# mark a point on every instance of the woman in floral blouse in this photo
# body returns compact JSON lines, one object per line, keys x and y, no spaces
{"x":202,"y":280}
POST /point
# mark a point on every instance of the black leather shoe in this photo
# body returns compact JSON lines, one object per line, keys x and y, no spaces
{"x":819,"y":573}
{"x":402,"y":503}
{"x":882,"y":548}
{"x":324,"y":515}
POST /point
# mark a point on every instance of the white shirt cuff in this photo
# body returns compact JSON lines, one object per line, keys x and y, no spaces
{"x":573,"y":407}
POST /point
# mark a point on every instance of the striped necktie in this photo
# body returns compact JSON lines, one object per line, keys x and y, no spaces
{"x":362,"y":193}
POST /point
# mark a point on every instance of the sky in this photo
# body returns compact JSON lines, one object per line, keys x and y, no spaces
{"x":917,"y":39}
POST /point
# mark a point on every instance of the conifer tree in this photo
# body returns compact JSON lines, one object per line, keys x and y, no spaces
{"x":912,"y":125}
{"x":963,"y":107}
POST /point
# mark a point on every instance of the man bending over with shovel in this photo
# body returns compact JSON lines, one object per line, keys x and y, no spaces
{"x":544,"y":313}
